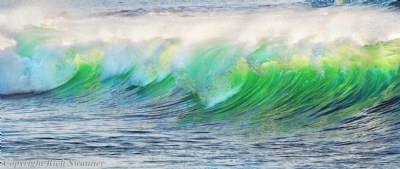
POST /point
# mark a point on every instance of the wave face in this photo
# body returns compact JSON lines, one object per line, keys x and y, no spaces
{"x":271,"y":77}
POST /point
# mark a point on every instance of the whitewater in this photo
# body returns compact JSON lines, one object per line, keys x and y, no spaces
{"x":198,"y":84}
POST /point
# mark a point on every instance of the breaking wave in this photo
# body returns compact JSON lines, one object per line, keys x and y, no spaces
{"x":284,"y":64}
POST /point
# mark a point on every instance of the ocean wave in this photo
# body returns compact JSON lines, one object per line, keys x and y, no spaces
{"x":214,"y":71}
{"x":320,"y":67}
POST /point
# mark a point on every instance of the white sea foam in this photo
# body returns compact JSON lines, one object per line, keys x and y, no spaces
{"x":288,"y":26}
